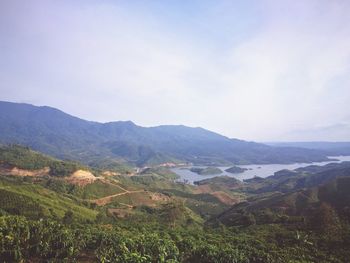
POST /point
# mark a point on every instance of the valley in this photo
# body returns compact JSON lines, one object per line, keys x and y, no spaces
{"x":152,"y":131}
{"x":211,"y":213}
{"x":118,"y":192}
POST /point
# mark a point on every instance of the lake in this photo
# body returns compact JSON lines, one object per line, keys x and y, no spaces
{"x":261,"y":170}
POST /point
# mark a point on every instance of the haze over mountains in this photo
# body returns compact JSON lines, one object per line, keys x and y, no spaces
{"x":333,"y":148}
{"x":54,"y":132}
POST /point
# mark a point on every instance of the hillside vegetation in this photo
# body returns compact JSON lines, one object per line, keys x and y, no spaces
{"x":149,"y":217}
{"x":24,"y":158}
{"x":206,"y":171}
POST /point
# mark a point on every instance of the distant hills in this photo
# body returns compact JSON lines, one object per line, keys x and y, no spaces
{"x":47,"y":199}
{"x":293,"y":196}
{"x":301,"y":206}
{"x":331,"y":148}
{"x":54,"y":132}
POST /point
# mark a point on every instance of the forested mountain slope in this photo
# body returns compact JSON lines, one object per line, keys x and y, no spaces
{"x":59,"y":134}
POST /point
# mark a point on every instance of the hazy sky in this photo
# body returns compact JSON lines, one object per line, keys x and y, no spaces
{"x":257,"y":70}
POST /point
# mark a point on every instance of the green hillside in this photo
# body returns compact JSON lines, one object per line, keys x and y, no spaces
{"x":24,"y":158}
{"x":149,"y":217}
{"x":35,"y":201}
{"x":206,"y":171}
{"x":301,"y":207}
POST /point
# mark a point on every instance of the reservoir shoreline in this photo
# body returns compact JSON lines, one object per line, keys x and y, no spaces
{"x":261,"y":170}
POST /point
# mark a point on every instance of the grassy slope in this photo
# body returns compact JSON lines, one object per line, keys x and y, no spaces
{"x":24,"y":158}
{"x":187,"y":208}
{"x":100,"y":189}
{"x":58,"y":195}
{"x":46,"y":199}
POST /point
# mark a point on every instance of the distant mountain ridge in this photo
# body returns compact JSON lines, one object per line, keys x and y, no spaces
{"x":332,"y":148}
{"x":54,"y":132}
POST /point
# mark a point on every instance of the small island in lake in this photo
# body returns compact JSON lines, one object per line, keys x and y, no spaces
{"x":206,"y":171}
{"x":236,"y":170}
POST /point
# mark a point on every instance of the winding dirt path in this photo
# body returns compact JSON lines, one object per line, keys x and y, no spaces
{"x":116,"y":183}
{"x":107,"y":199}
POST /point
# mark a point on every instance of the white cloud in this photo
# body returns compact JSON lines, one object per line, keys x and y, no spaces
{"x":256,"y":74}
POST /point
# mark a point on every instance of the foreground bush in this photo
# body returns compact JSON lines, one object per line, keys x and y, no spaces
{"x":23,"y":240}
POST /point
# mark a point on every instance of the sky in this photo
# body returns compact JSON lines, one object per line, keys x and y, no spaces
{"x":255,"y":70}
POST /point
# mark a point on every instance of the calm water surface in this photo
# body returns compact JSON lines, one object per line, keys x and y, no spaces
{"x":261,"y":170}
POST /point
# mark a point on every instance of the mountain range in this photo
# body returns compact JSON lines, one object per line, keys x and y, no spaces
{"x":54,"y":132}
{"x":73,"y":207}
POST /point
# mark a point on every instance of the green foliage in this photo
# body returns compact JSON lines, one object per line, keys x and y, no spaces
{"x":60,"y":186}
{"x":50,"y":241}
{"x":99,"y":189}
{"x":60,"y":168}
{"x":111,"y":164}
{"x":322,"y":207}
{"x":47,"y":220}
{"x":206,"y":171}
{"x":161,"y":172}
{"x":236,"y":170}
{"x":19,"y":204}
{"x":211,"y":253}
{"x":32,"y":200}
{"x":142,"y":248}
{"x":220,"y":181}
{"x":287,"y":181}
{"x":24,"y":158}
